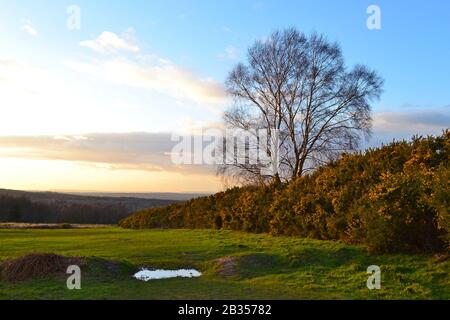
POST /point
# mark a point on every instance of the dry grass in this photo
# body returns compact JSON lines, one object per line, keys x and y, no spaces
{"x":243,"y":265}
{"x":227,"y":266}
{"x":36,"y":265}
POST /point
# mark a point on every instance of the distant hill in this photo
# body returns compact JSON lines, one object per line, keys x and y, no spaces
{"x":146,"y":195}
{"x":130,"y":202}
{"x":54,"y":207}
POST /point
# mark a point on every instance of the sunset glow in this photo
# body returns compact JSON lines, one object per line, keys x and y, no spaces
{"x":110,"y":79}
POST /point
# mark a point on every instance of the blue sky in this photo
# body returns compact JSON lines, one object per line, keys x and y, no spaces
{"x":411,"y":49}
{"x":192,"y":45}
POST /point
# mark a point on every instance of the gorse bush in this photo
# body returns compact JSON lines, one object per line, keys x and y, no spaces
{"x":393,"y":199}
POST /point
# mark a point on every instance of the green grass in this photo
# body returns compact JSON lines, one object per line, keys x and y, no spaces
{"x":274,"y":267}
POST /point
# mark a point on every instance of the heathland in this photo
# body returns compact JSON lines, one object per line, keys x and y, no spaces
{"x":235,"y":265}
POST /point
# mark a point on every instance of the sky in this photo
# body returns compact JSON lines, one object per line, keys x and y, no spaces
{"x":89,"y":104}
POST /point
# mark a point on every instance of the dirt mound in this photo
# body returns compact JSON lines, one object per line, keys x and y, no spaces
{"x":36,"y":265}
{"x":227,"y":266}
{"x":244,"y":265}
{"x":442,"y":257}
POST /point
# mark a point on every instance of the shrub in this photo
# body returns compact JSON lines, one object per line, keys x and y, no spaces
{"x":393,"y":198}
{"x":401,"y":218}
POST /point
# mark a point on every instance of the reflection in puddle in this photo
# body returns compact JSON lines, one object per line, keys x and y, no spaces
{"x":146,"y":275}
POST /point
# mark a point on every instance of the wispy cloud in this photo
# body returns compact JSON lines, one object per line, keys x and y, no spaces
{"x":230,"y":53}
{"x":36,"y":100}
{"x":124,"y":151}
{"x":21,"y":77}
{"x":156,"y":74}
{"x":29,"y":28}
{"x":399,"y":125}
{"x":147,"y":71}
{"x":414,"y":121}
{"x":109,"y":42}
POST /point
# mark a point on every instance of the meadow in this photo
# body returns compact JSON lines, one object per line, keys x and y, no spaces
{"x":263,"y":266}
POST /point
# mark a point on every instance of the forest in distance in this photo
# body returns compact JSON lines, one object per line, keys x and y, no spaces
{"x":52,"y":207}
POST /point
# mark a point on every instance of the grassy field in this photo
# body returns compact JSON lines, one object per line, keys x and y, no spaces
{"x":267,"y":267}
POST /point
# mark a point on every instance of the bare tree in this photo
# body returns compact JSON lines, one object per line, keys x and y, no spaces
{"x":299,"y":88}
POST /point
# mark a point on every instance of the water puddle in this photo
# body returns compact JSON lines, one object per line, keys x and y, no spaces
{"x":147,"y":275}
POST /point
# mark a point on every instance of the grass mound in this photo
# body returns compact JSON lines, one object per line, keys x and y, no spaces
{"x":36,"y":265}
{"x":245,"y":265}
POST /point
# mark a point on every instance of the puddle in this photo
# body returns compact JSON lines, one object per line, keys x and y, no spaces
{"x":147,"y":275}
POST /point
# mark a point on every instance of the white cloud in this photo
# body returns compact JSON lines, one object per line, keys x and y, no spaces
{"x":109,"y":42}
{"x":191,"y":126}
{"x":413,"y":121}
{"x":117,"y":151}
{"x":149,"y":71}
{"x":35,"y":100}
{"x":30,"y":29}
{"x":156,"y":74}
{"x":230,"y":53}
{"x":22,"y":79}
{"x":398,"y":125}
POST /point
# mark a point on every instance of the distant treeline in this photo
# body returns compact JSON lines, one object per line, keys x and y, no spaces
{"x":47,"y":207}
{"x":393,"y":199}
{"x":21,"y":209}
